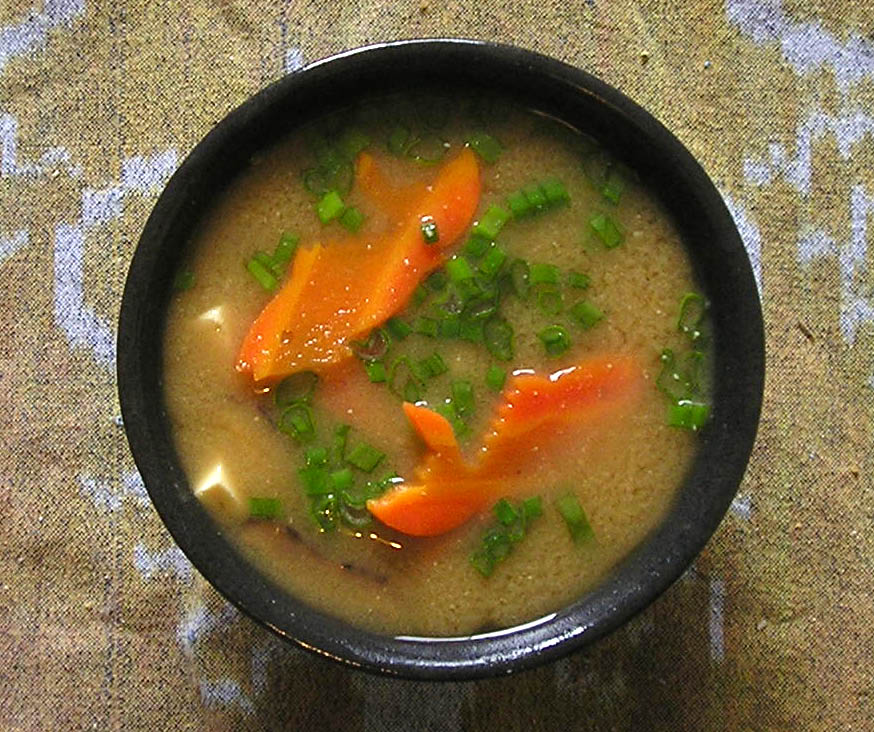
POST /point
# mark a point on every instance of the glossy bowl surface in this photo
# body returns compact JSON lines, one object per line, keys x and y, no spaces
{"x":539,"y":83}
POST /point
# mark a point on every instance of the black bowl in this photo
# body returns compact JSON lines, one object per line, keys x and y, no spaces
{"x":562,"y":92}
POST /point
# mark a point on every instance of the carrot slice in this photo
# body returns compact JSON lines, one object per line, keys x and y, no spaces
{"x":339,"y":292}
{"x":446,"y":492}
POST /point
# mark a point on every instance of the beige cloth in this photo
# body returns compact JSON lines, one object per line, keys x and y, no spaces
{"x":104,"y":625}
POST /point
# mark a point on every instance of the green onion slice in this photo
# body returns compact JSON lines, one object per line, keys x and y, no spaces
{"x":297,"y":422}
{"x":375,"y":371}
{"x":498,"y":337}
{"x":575,"y":518}
{"x":550,"y":300}
{"x":264,"y":508}
{"x":263,"y":275}
{"x":688,"y":414}
{"x":484,"y":145}
{"x":330,"y":206}
{"x":607,"y":230}
{"x":298,"y":387}
{"x":374,"y":348}
{"x":365,"y":457}
{"x":495,"y":378}
{"x":586,"y":315}
{"x":184,"y":280}
{"x":693,"y":308}
{"x":542,"y":274}
{"x":555,"y":339}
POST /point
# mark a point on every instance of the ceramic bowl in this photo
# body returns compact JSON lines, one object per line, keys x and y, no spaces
{"x":567,"y":94}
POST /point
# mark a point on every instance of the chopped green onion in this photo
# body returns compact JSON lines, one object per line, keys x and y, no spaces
{"x":357,"y":497}
{"x":419,"y":295}
{"x":324,"y":511}
{"x":459,"y":269}
{"x":375,"y":371}
{"x":578,"y":280}
{"x":374,"y":348}
{"x":297,"y":421}
{"x":298,"y":387}
{"x":317,"y":181}
{"x":498,"y":337}
{"x":505,"y":512}
{"x":493,"y":261}
{"x":693,"y":308}
{"x":263,"y":276}
{"x":437,"y":280}
{"x":434,"y":365}
{"x":427,"y":150}
{"x":613,"y":187}
{"x":585,"y":314}
{"x":266,"y":261}
{"x":555,"y":339}
{"x":429,"y":230}
{"x":184,"y":280}
{"x":520,"y":277}
{"x":449,"y":326}
{"x":316,"y":456}
{"x":554,"y":191}
{"x":688,"y":414}
{"x":341,"y":480}
{"x":481,"y":309}
{"x":518,"y":204}
{"x":398,"y":328}
{"x":352,"y":142}
{"x":330,"y":206}
{"x":486,"y":146}
{"x":352,"y":219}
{"x":355,"y":518}
{"x":482,"y":562}
{"x":403,"y":381}
{"x":491,"y":222}
{"x":575,"y":518}
{"x":476,"y":246}
{"x":470,"y":329}
{"x":536,"y":197}
{"x":316,"y":480}
{"x":542,"y":274}
{"x":341,"y":435}
{"x":285,"y":249}
{"x":462,"y":397}
{"x":550,"y":301}
{"x":495,"y":378}
{"x":364,"y":457}
{"x":672,"y":380}
{"x":606,"y":230}
{"x":264,"y":508}
{"x":532,"y":508}
{"x":425,"y":326}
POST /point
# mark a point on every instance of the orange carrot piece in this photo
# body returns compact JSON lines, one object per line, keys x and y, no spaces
{"x":394,"y":201}
{"x":446,"y":492}
{"x":339,"y":292}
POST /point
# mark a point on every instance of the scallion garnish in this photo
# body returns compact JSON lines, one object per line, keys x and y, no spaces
{"x":425,"y":326}
{"x":470,"y":329}
{"x":555,"y":192}
{"x":352,"y":142}
{"x":352,"y":219}
{"x":449,"y":326}
{"x":492,"y":262}
{"x":613,"y":187}
{"x":693,"y":308}
{"x":575,"y":518}
{"x":536,"y":197}
{"x":459,"y":269}
{"x":324,"y":509}
{"x":375,"y":371}
{"x":403,"y":381}
{"x":476,"y":246}
{"x":437,"y":280}
{"x":518,"y":204}
{"x":374,"y":348}
{"x":688,"y":414}
{"x":316,"y":456}
{"x":484,"y":145}
{"x":264,"y":508}
{"x":365,"y":457}
{"x":495,"y":378}
{"x":550,"y":300}
{"x":498,"y":541}
{"x":607,"y":230}
{"x":462,"y":397}
{"x":297,"y":387}
{"x":555,"y":339}
{"x":266,"y":261}
{"x":330,"y":206}
{"x":491,"y":222}
{"x":263,"y":276}
{"x":498,"y":337}
{"x":430,"y":234}
{"x":542,"y":274}
{"x":297,"y":421}
{"x":398,"y":328}
{"x":285,"y":248}
{"x":341,"y":480}
{"x":578,"y":280}
{"x":585,"y":314}
{"x":316,"y":480}
{"x":433,"y":365}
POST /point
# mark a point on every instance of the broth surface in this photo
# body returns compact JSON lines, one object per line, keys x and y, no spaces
{"x":625,"y":472}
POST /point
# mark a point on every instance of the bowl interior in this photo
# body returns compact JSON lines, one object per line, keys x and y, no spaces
{"x":562,"y":92}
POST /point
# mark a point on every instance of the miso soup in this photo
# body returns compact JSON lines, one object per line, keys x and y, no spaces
{"x":436,"y":368}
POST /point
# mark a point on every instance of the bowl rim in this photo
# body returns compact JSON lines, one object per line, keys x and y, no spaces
{"x":639,"y":579}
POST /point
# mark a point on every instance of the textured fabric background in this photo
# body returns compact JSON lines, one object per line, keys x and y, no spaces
{"x":105,"y":625}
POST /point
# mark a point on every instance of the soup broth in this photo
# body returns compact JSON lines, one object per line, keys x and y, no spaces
{"x":602,"y":282}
